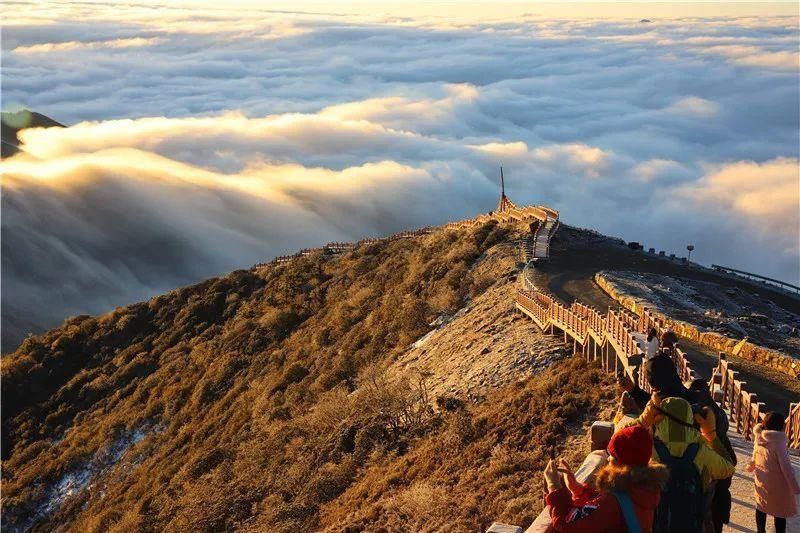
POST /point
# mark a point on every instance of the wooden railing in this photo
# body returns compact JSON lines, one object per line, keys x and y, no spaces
{"x":621,"y":333}
{"x":745,"y":411}
{"x":537,"y":311}
{"x":335,"y":248}
{"x":530,"y":247}
{"x":743,"y":407}
{"x":612,"y":338}
{"x":684,"y":370}
{"x":630,"y":320}
{"x":514,"y":214}
{"x":648,"y":320}
{"x":617,"y":345}
{"x":595,"y":322}
{"x":552,"y":233}
{"x":527,"y":281}
{"x":793,"y":425}
{"x":613,"y":335}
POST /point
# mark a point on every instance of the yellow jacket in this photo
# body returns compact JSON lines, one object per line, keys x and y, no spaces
{"x":711,"y":464}
{"x":712,"y":461}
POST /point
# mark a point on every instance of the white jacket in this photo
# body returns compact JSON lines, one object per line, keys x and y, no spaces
{"x":651,"y":348}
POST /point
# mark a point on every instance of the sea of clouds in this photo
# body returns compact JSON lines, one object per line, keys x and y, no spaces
{"x":205,"y":140}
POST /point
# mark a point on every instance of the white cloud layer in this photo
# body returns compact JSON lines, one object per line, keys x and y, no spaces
{"x":206,"y":140}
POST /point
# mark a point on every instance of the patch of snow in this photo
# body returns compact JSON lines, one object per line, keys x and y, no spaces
{"x":732,"y":311}
{"x":424,"y":339}
{"x":80,"y":477}
{"x":440,"y":322}
{"x":661,"y":293}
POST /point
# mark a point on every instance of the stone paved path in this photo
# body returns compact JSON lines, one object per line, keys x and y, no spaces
{"x":743,"y":511}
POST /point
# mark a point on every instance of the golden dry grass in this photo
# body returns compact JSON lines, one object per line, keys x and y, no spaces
{"x":263,"y":409}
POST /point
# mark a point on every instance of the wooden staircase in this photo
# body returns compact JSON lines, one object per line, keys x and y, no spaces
{"x":540,"y":246}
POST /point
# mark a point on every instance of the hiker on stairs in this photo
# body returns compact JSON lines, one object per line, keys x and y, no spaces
{"x":662,"y":376}
{"x":668,"y":341}
{"x":626,"y":489}
{"x":658,"y":370}
{"x":651,"y":347}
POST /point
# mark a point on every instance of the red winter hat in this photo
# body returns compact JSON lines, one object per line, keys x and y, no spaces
{"x":631,"y":446}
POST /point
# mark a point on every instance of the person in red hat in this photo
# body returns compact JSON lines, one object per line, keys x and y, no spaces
{"x":625,"y":494}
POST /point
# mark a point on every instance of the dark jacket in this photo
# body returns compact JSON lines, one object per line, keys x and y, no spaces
{"x":702,"y":398}
{"x":662,"y":376}
{"x":668,"y":386}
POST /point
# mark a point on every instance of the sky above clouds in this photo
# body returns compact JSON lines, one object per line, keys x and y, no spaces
{"x":203,"y":140}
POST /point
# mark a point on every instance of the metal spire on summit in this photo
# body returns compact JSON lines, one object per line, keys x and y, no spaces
{"x":505,"y":204}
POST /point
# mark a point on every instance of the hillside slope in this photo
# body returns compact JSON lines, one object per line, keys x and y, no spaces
{"x":299,"y":397}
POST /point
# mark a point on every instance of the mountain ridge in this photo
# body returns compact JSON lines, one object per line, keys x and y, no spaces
{"x":271,"y":399}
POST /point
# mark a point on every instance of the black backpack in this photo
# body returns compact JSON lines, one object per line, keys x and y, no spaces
{"x":681,"y":505}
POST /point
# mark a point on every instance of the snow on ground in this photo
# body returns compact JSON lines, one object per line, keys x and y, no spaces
{"x":485,"y":345}
{"x":82,"y":476}
{"x":734,"y":312}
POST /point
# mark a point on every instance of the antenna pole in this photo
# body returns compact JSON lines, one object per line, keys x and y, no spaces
{"x":505,"y":204}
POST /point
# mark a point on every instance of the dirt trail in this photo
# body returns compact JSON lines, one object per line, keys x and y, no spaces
{"x":576,"y":257}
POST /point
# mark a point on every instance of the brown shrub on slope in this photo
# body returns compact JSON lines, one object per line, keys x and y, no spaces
{"x":200,"y":409}
{"x":479,"y":463}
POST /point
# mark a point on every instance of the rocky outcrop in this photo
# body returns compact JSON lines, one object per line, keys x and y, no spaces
{"x":742,"y":348}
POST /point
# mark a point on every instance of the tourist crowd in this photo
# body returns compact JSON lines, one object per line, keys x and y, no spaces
{"x":670,"y":462}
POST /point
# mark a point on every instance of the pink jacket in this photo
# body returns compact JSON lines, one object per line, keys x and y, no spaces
{"x":775,"y":482}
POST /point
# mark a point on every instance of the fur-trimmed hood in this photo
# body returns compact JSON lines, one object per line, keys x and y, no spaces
{"x":600,"y":511}
{"x":772,"y":439}
{"x":626,"y":478}
{"x":642,"y":483}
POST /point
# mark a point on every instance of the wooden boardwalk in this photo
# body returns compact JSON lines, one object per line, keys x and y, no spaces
{"x":615,"y":340}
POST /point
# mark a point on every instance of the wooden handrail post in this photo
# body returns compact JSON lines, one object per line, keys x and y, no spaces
{"x":753,"y":416}
{"x":739,"y":403}
{"x":792,"y":429}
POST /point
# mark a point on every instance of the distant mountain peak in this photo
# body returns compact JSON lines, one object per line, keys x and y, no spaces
{"x":15,"y":121}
